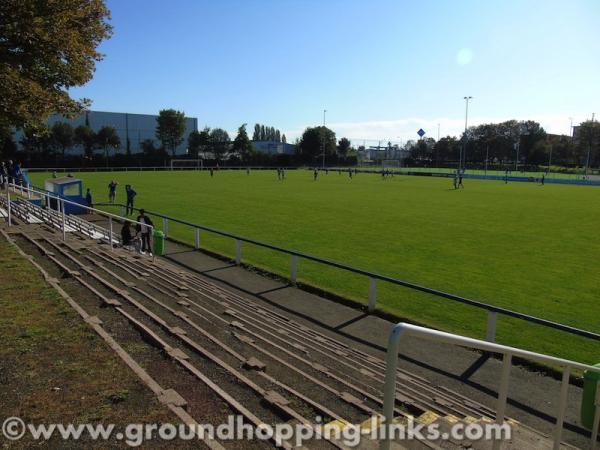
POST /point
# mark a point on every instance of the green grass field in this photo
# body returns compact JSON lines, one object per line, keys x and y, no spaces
{"x":522,"y":246}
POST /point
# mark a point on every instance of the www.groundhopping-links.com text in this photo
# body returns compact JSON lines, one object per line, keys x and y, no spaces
{"x":134,"y":435}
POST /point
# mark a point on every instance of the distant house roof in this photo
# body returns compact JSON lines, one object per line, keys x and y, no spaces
{"x":63,"y":180}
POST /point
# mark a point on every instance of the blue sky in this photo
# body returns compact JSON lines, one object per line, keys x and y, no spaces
{"x":382,"y":68}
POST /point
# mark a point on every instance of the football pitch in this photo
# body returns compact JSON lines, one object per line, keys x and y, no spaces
{"x":521,"y":246}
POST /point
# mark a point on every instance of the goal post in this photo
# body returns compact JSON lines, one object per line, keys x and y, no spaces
{"x":191,"y":164}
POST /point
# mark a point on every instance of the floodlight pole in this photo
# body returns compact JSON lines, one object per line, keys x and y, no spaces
{"x":464,"y":146}
{"x":323,"y":144}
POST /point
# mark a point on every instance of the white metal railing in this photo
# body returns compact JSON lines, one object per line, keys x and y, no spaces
{"x":404,"y":329}
{"x":373,"y":278}
{"x":28,"y":190}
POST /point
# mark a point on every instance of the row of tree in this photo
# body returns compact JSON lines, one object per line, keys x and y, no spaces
{"x":522,"y":142}
{"x":49,"y":143}
{"x":265,"y":133}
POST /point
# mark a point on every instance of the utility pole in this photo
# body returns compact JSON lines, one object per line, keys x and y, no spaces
{"x":438,"y":139}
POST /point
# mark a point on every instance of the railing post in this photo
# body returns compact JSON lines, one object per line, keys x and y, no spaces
{"x":9,"y":207}
{"x":197,"y":237}
{"x":562,"y":404}
{"x":151,"y":231}
{"x":502,"y":395}
{"x":372,"y":294}
{"x":64,"y":228}
{"x":166,"y":226}
{"x":122,"y":211}
{"x":29,"y":192}
{"x":238,"y":252}
{"x":294,"y":269}
{"x":389,"y":390}
{"x":110,"y":233}
{"x":490,"y":334}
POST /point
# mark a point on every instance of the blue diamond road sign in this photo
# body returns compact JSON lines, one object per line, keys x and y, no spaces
{"x":421,"y":132}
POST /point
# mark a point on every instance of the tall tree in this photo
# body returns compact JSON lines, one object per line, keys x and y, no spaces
{"x":108,"y":138}
{"x":242,"y":143}
{"x":277,"y":136}
{"x":36,"y":140}
{"x":62,"y":136}
{"x":283,"y":139}
{"x":7,"y":144}
{"x":263,"y":134}
{"x":194,"y":143}
{"x":170,"y":128}
{"x":86,"y":137}
{"x":588,"y":141}
{"x":256,"y":134}
{"x":46,"y":48}
{"x":343,"y":146}
{"x":219,"y":142}
{"x":314,"y":141}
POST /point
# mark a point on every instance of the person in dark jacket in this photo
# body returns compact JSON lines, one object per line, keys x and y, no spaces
{"x":144,"y":230}
{"x":112,"y":191}
{"x":130,"y":196}
{"x":126,"y":236}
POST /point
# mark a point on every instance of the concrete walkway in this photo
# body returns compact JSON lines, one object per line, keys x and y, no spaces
{"x":533,"y":397}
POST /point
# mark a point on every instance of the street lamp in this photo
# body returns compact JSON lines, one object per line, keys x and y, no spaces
{"x":464,"y":146}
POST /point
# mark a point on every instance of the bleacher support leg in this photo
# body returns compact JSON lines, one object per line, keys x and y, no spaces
{"x":372,"y":294}
{"x":294,"y":269}
{"x":490,"y":334}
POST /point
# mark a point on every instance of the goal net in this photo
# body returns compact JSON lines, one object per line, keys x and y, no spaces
{"x":186,"y":164}
{"x":391,"y":163}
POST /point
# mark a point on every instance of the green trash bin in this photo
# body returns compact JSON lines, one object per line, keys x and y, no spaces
{"x":588,"y":399}
{"x":159,"y":243}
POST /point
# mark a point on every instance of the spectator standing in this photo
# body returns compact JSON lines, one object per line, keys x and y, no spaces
{"x":130,"y":197}
{"x":112,"y":191}
{"x":144,"y":229}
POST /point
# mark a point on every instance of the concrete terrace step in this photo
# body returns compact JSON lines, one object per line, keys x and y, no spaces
{"x":263,"y":361}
